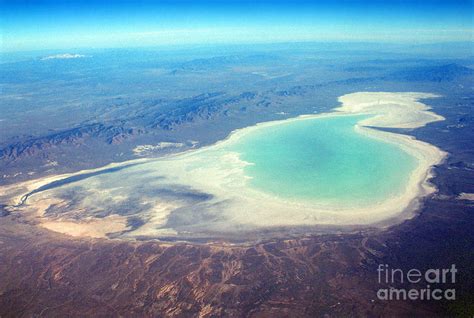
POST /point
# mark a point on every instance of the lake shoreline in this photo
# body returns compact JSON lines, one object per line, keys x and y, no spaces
{"x":409,"y":113}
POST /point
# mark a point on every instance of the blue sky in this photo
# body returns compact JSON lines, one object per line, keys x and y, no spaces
{"x":33,"y":25}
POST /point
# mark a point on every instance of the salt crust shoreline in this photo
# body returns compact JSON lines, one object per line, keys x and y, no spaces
{"x":252,"y":209}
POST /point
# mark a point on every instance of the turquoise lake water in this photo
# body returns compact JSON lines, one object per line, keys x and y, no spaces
{"x":324,"y":160}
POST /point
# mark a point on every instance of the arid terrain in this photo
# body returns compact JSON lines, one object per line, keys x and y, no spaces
{"x":47,"y":274}
{"x":162,"y":104}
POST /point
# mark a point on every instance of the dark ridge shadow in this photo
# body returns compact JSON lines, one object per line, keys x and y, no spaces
{"x":59,"y":183}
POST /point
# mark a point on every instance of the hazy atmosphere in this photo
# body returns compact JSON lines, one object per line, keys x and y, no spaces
{"x":38,"y":25}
